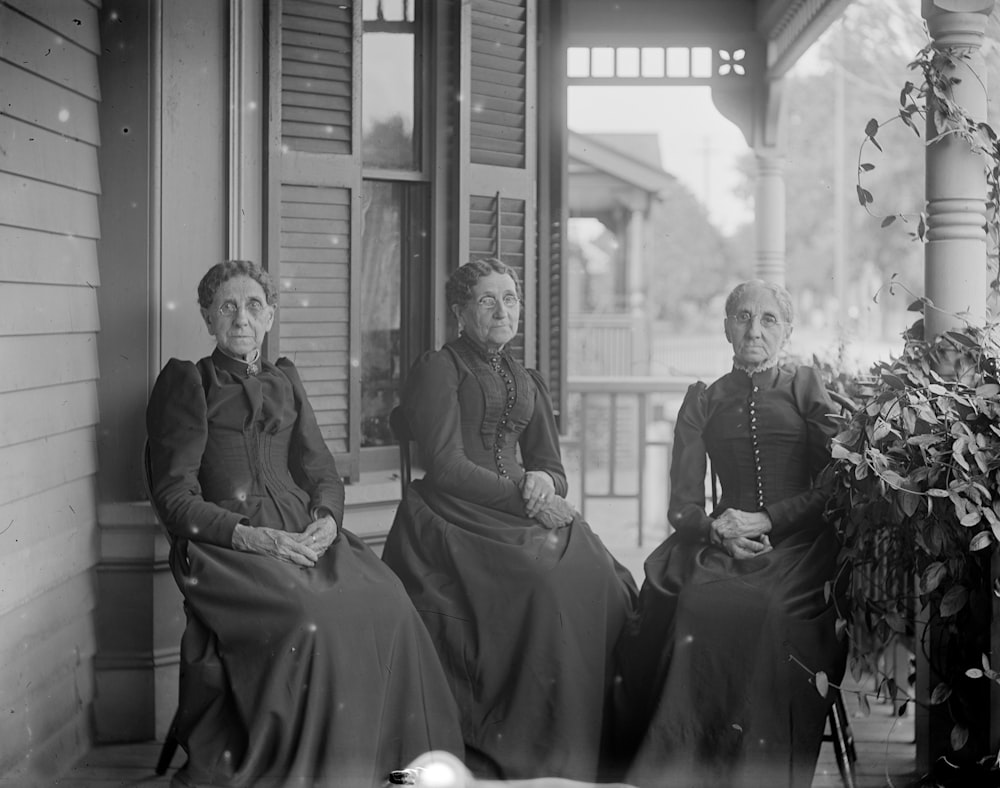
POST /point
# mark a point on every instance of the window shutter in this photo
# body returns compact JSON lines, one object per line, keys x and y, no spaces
{"x":314,"y":218}
{"x":499,"y":162}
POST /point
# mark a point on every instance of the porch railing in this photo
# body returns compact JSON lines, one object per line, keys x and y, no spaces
{"x":618,"y":435}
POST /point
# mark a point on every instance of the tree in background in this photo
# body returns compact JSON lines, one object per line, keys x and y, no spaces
{"x":692,"y":262}
{"x":834,"y":248}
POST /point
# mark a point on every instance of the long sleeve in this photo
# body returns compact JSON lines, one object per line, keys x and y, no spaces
{"x":815,"y":407}
{"x":540,"y":440}
{"x":432,"y":409}
{"x":311,"y":463}
{"x":688,"y":466}
{"x":177,"y":430}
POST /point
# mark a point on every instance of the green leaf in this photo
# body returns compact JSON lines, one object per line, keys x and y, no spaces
{"x":893,"y":381}
{"x":974,"y":673}
{"x":959,"y":736}
{"x":871,"y":128}
{"x":888,"y":220}
{"x":953,"y":601}
{"x":973,"y":517}
{"x":987,"y":391}
{"x":937,"y":492}
{"x":980,"y":541}
{"x":909,"y":502}
{"x":932,"y":576}
{"x":940,"y":694}
{"x":866,"y":167}
{"x":961,"y":339}
{"x":822,"y":683}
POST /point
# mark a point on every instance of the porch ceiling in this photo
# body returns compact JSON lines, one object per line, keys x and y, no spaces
{"x":785,"y":27}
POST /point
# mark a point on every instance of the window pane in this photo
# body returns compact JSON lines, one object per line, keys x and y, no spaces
{"x":381,"y":279}
{"x":389,"y":98}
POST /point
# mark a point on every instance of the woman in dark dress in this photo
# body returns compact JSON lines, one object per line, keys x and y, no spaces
{"x":522,"y":600}
{"x":304,"y":662}
{"x":732,"y":612}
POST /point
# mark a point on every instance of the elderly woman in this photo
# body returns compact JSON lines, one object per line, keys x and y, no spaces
{"x":522,"y":600}
{"x":304,"y":662}
{"x":732,"y":617}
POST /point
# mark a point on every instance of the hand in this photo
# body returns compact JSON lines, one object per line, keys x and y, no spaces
{"x":733,"y":523}
{"x":319,"y":534}
{"x":277,"y":544}
{"x":555,"y":513}
{"x":742,"y":547}
{"x":536,"y":488}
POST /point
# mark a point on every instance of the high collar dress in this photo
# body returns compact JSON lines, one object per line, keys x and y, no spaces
{"x":524,"y":618}
{"x":717,"y":666}
{"x":290,"y":676}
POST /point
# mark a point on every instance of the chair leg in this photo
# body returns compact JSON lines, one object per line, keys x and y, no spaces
{"x":843,"y":742}
{"x":168,"y":749}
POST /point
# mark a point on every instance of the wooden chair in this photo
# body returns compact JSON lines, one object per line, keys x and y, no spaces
{"x":842,"y":738}
{"x":401,"y":430}
{"x":170,"y":743}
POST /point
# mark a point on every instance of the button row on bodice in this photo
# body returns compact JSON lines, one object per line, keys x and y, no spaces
{"x":497,"y":364}
{"x":755,"y":441}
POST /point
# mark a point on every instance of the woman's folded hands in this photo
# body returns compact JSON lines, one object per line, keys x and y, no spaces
{"x":742,"y":534}
{"x":541,"y":502}
{"x":302,"y":549}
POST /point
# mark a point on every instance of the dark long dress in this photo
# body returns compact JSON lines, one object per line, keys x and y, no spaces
{"x":524,"y":618}
{"x":713,"y":691}
{"x":290,"y":676}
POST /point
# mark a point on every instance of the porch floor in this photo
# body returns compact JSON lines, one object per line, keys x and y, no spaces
{"x":884,"y":745}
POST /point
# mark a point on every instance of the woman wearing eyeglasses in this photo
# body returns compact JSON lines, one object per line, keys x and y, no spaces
{"x":303,"y":662}
{"x":733,"y":618}
{"x":521,"y":598}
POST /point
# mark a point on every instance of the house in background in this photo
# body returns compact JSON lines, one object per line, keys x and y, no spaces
{"x":613,"y":181}
{"x":361,"y":150}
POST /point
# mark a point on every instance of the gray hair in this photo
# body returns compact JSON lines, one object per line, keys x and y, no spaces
{"x":224,"y":271}
{"x":781,"y":295}
{"x":458,"y":289}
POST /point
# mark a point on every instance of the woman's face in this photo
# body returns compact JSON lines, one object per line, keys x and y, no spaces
{"x":239,"y":317}
{"x":756,"y":328}
{"x":492,"y":313}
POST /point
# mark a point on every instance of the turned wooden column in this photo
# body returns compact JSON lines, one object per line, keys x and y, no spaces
{"x":955,"y":272}
{"x":955,"y":275}
{"x":769,"y":208}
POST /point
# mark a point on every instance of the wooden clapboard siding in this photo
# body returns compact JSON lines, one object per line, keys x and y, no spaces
{"x":313,"y":213}
{"x":49,"y":190}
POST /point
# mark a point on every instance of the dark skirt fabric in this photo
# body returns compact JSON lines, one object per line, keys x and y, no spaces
{"x":304,"y":677}
{"x":525,"y":620}
{"x":716,"y":688}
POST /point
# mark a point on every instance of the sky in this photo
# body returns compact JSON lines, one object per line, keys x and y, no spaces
{"x":697,"y":144}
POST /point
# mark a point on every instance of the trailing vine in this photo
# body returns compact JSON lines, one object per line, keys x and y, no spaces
{"x":916,"y":468}
{"x":938,"y":67}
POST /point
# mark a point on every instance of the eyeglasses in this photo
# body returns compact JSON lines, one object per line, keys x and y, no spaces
{"x":745,"y":318}
{"x":490,"y":302}
{"x":254,"y":308}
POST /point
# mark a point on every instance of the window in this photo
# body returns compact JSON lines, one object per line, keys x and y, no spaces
{"x":395,"y":269}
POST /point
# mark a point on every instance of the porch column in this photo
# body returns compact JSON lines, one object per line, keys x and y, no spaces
{"x":955,"y":252}
{"x":636,"y":250}
{"x":769,"y":220}
{"x":955,"y":268}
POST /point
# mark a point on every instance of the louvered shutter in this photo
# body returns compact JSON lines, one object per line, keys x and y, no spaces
{"x":314,"y":207}
{"x":498,"y":144}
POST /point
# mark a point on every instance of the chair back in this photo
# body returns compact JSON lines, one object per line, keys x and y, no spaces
{"x":401,"y":430}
